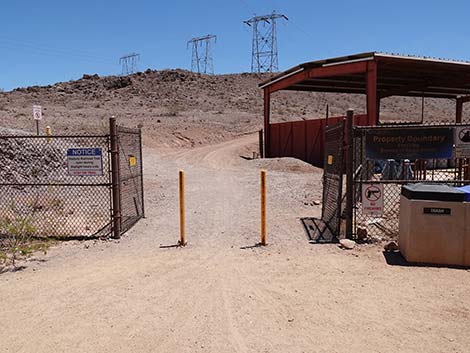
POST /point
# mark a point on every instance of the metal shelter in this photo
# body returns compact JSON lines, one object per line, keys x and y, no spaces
{"x":376,"y":75}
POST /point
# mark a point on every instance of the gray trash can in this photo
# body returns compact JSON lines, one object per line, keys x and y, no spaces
{"x":433,"y":225}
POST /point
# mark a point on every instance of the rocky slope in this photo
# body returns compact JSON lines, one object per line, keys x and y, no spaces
{"x":181,"y":108}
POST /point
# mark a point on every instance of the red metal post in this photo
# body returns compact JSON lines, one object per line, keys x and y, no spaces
{"x":458,"y":110}
{"x":349,"y":154}
{"x":267,"y":128}
{"x":371,"y":82}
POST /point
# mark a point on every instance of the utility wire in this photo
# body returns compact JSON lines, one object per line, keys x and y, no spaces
{"x":37,"y":48}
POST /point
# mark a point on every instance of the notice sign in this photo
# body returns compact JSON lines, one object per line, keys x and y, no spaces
{"x":410,"y":143}
{"x":84,"y":161}
{"x":373,"y":200}
{"x":462,"y":142}
{"x":37,"y":112}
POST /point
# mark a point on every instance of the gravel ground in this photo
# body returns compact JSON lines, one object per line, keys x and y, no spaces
{"x":222,"y":293}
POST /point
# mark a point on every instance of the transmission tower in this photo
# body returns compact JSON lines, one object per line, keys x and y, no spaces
{"x":129,"y":63}
{"x":201,"y":57}
{"x":264,"y":54}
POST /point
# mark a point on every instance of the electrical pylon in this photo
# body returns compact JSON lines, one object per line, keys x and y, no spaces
{"x":264,"y":53}
{"x":201,"y":56}
{"x":129,"y":63}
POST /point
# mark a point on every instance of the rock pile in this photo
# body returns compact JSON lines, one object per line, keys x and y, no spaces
{"x":28,"y":160}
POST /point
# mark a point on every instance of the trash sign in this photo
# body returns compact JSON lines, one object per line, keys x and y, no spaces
{"x":373,"y":200}
{"x":462,"y":142}
{"x":84,"y":161}
{"x":37,"y":112}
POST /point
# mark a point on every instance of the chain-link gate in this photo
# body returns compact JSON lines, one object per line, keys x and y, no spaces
{"x":62,"y":187}
{"x":391,"y":174}
{"x":131,"y":186}
{"x":327,"y":229}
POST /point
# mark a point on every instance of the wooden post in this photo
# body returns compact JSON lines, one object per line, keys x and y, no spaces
{"x":182,"y":241}
{"x":263,"y":207}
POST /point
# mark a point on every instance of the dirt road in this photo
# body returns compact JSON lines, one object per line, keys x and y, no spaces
{"x":221,"y":294}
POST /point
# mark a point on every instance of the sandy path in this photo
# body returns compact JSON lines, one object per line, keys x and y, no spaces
{"x":214,"y":296}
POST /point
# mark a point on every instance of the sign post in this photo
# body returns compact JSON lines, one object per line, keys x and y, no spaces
{"x":373,"y":200}
{"x":37,"y":115}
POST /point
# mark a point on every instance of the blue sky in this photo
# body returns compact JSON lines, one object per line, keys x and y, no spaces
{"x":43,"y":42}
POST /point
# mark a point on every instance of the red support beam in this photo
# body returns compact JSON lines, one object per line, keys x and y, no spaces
{"x":318,"y":72}
{"x":288,"y":81}
{"x":267,"y":128}
{"x":371,"y":83}
{"x":338,"y":70}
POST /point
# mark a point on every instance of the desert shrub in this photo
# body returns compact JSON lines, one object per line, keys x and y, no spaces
{"x":175,"y":110}
{"x":16,"y":237}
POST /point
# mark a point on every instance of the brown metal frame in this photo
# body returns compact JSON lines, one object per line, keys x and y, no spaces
{"x":115,"y":178}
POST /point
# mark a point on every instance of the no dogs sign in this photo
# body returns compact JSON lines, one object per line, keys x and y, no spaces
{"x":37,"y":112}
{"x":373,"y":200}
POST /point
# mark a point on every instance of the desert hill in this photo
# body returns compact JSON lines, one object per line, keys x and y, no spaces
{"x":181,"y":108}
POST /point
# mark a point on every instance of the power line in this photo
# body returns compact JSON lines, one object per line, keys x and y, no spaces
{"x":201,"y":54}
{"x":264,"y":53}
{"x":34,"y":47}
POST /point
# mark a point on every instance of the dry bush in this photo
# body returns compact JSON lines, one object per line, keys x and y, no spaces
{"x":16,"y":237}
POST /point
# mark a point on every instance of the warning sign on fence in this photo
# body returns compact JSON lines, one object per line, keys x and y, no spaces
{"x":84,"y":161}
{"x":462,"y":142}
{"x":373,"y":200}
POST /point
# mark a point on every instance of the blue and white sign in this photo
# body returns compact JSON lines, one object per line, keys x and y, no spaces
{"x":84,"y":161}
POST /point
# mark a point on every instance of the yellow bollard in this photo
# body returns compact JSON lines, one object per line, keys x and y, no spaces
{"x":182,"y":241}
{"x":263,"y":207}
{"x":48,"y":134}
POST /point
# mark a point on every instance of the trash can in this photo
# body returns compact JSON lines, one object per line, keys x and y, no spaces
{"x":434,"y":225}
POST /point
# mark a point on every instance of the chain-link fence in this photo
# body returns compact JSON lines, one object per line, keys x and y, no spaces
{"x":39,"y":185}
{"x":390,"y":175}
{"x":62,"y":186}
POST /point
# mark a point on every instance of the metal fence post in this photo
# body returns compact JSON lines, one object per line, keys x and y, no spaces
{"x":115,"y":178}
{"x":349,"y":145}
{"x":141,"y":172}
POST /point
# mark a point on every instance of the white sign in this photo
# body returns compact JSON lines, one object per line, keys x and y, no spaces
{"x":37,"y":112}
{"x":462,"y":142}
{"x":373,"y":200}
{"x":84,"y":161}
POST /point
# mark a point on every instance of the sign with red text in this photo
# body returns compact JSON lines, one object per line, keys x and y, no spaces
{"x":373,"y":200}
